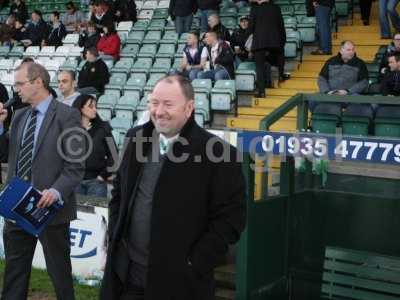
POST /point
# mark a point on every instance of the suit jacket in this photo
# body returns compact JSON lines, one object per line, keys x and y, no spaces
{"x":198,"y":209}
{"x":49,"y":168}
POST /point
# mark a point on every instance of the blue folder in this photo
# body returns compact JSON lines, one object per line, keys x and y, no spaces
{"x":18,"y":203}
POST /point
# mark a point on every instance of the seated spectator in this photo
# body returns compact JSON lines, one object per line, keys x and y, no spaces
{"x":109,"y":44}
{"x":19,"y":9}
{"x":238,"y":40}
{"x":7,"y":31}
{"x":214,"y":24}
{"x":88,"y":38}
{"x":57,"y":31}
{"x":102,"y":15}
{"x":392,"y":49}
{"x":37,"y":30}
{"x":220,"y":58}
{"x":391,"y":81}
{"x":72,"y":18}
{"x":94,"y":182}
{"x":194,"y":57}
{"x":125,"y":10}
{"x":343,"y":74}
{"x":182,"y":11}
{"x":94,"y":74}
{"x":66,"y":86}
{"x":20,"y":32}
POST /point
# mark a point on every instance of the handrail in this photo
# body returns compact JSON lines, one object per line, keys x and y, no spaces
{"x":301,"y":102}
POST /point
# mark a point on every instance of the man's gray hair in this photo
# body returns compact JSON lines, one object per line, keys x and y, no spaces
{"x":343,"y":43}
{"x":35,"y":71}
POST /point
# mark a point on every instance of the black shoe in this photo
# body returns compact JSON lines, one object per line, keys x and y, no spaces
{"x":284,"y":76}
{"x":260,"y":94}
{"x":366,"y":22}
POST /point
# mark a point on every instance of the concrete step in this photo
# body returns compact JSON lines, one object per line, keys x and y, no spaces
{"x":359,"y":28}
{"x":257,"y":111}
{"x":304,"y":74}
{"x":224,"y":294}
{"x":287,"y":92}
{"x":269,"y":102}
{"x":300,"y":83}
{"x":287,"y":124}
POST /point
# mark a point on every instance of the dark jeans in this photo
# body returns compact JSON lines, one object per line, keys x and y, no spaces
{"x":19,"y":248}
{"x":204,"y":14}
{"x":388,"y":7}
{"x":183,"y":24}
{"x":216,"y":74}
{"x":365,"y":8}
{"x":92,"y":187}
{"x":263,"y":72}
{"x":323,"y":17}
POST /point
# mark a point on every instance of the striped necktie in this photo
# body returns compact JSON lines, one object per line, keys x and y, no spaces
{"x":26,"y":151}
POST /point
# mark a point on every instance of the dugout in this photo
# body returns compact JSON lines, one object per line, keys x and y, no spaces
{"x":325,"y":235}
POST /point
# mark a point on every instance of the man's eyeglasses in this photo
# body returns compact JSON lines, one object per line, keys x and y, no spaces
{"x":19,"y":84}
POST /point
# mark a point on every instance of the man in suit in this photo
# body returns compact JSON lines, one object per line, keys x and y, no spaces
{"x":175,"y":205}
{"x":39,"y":150}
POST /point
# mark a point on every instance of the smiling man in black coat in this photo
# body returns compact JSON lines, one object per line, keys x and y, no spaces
{"x":175,"y":206}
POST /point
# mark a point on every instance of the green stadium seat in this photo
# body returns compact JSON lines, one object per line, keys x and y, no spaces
{"x":152,"y":37}
{"x":105,"y":112}
{"x":387,"y":121}
{"x":160,"y":14}
{"x":108,"y":100}
{"x":113,"y":93}
{"x":166,"y":51}
{"x":356,"y":119}
{"x":142,"y":65}
{"x":293,"y":43}
{"x":223,"y":94}
{"x":124,"y":65}
{"x":125,"y":26}
{"x":325,"y":118}
{"x":123,"y":37}
{"x":135,"y":37}
{"x":202,"y":106}
{"x":4,"y":50}
{"x":121,"y":123}
{"x":179,"y":51}
{"x":306,"y":26}
{"x":32,"y":51}
{"x":300,"y":9}
{"x":290,"y":22}
{"x":6,"y":64}
{"x":342,"y":8}
{"x":126,"y":107}
{"x":117,"y":81}
{"x":183,"y":38}
{"x":135,"y":84}
{"x":230,"y":11}
{"x":69,"y":64}
{"x":245,"y":76}
{"x":71,"y":39}
{"x":142,"y":106}
{"x":156,"y":25}
{"x":244,"y":11}
{"x":153,"y":79}
{"x":161,"y":65}
{"x":176,"y":64}
{"x":47,"y":51}
{"x":287,"y":10}
{"x":129,"y":51}
{"x":141,"y":25}
{"x":148,"y":50}
{"x":170,"y":37}
{"x":16,"y":51}
{"x":202,"y":86}
{"x":229,"y":22}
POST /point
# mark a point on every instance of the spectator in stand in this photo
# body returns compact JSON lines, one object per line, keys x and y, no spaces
{"x":220,"y":58}
{"x":57,"y":31}
{"x":391,"y":81}
{"x":392,"y":49}
{"x":19,"y":9}
{"x":238,"y":40}
{"x":7,"y":31}
{"x":94,"y":182}
{"x":72,"y":18}
{"x":207,"y":8}
{"x":94,"y":74}
{"x":109,"y":44}
{"x":37,"y":30}
{"x":265,"y":14}
{"x":66,"y":86}
{"x":365,"y":9}
{"x":102,"y":16}
{"x":3,"y":93}
{"x":215,"y":24}
{"x":194,"y":57}
{"x":343,"y":74}
{"x":182,"y":11}
{"x":20,"y":32}
{"x":125,"y":10}
{"x":323,"y":16}
{"x":88,"y":38}
{"x":388,"y":7}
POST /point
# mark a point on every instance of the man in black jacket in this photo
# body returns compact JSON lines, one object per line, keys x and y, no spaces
{"x":181,"y":11}
{"x":214,"y":24}
{"x":94,"y":74}
{"x":391,"y":81}
{"x":37,"y":29}
{"x":88,"y":38}
{"x":220,"y":58}
{"x":238,"y":39}
{"x":125,"y":10}
{"x":57,"y":32}
{"x":175,"y":207}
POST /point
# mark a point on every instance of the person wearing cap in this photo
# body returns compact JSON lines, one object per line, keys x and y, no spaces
{"x":239,"y":38}
{"x":37,"y":29}
{"x":194,"y":57}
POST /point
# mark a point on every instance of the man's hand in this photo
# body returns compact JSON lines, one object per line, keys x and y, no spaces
{"x":342,"y":92}
{"x":48,"y":198}
{"x":3,"y":113}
